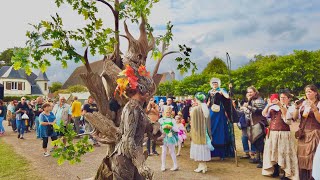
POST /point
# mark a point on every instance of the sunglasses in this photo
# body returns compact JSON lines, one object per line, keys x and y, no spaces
{"x":23,"y":99}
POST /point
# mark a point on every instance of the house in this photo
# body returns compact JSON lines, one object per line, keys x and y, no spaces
{"x":18,"y":83}
{"x":97,"y":67}
{"x":75,"y":79}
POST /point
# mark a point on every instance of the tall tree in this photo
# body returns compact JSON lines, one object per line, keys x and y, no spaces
{"x":51,"y":38}
{"x":216,"y":66}
{"x":55,"y":86}
{"x":5,"y":57}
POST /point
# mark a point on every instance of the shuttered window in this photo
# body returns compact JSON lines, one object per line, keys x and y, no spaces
{"x":20,"y":86}
{"x":8,"y":85}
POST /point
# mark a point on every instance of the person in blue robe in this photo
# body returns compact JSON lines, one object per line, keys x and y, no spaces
{"x":219,"y":105}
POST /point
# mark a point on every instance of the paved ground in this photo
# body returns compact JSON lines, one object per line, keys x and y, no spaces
{"x":47,"y":167}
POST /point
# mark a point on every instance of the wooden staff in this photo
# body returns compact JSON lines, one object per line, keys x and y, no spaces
{"x":230,"y":94}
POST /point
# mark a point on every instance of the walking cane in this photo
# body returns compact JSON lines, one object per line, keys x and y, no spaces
{"x":230,"y":94}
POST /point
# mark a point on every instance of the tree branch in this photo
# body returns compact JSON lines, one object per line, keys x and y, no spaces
{"x":109,"y":5}
{"x":45,"y":45}
{"x":87,"y":64}
{"x":156,"y":68}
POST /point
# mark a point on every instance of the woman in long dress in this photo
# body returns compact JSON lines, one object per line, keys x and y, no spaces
{"x":316,"y":164}
{"x":200,"y":126}
{"x":279,"y":148}
{"x":221,"y":128}
{"x":309,"y":114}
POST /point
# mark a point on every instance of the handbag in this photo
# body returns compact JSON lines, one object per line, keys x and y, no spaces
{"x":300,"y":134}
{"x":215,"y":108}
{"x":24,"y":116}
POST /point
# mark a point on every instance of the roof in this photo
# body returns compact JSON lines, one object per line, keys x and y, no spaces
{"x":4,"y":69}
{"x":35,"y":89}
{"x":42,"y":77}
{"x":10,"y":72}
{"x":74,"y":78}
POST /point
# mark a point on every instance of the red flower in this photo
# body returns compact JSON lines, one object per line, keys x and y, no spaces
{"x":143,"y":71}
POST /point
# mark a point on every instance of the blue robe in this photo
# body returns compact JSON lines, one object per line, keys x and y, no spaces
{"x":221,"y":130}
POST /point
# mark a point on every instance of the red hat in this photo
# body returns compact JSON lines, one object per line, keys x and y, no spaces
{"x":273,"y":97}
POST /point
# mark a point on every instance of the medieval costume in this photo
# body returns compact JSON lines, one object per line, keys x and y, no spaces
{"x":307,"y":146}
{"x":221,"y":129}
{"x":170,"y":130}
{"x":256,"y":128}
{"x":316,"y":164}
{"x":200,"y":141}
{"x":279,"y":149}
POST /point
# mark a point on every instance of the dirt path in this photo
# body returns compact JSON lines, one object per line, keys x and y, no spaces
{"x":47,"y":167}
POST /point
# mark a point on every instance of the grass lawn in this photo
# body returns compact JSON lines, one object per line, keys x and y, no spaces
{"x":14,"y":166}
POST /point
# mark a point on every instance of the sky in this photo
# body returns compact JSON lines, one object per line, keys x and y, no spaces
{"x":243,"y":28}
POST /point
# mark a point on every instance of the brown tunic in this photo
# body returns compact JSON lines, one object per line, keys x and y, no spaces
{"x":277,"y":123}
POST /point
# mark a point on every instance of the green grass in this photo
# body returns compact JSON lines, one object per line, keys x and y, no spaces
{"x":14,"y":166}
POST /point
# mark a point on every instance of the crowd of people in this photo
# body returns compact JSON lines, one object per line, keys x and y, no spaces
{"x":40,"y":116}
{"x":265,"y":124}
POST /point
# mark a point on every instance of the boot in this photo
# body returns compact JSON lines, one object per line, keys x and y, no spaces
{"x":199,"y":168}
{"x":255,"y":160}
{"x":205,"y":167}
{"x":259,"y":161}
{"x":276,"y":171}
{"x":284,"y":177}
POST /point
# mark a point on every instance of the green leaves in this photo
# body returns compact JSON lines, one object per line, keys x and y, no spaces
{"x":185,"y":62}
{"x":73,"y":150}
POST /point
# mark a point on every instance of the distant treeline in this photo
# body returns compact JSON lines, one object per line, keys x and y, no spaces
{"x":269,"y":74}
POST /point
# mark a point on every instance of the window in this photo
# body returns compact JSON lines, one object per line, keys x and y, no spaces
{"x":21,"y":86}
{"x":8,"y":85}
{"x":45,"y":86}
{"x":14,"y":85}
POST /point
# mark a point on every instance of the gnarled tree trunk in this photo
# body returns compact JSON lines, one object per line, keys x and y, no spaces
{"x":106,"y":122}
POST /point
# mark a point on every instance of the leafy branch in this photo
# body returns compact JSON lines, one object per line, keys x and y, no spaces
{"x":73,"y":151}
{"x":184,"y":60}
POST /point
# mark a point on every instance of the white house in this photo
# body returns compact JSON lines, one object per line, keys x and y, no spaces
{"x":18,"y":83}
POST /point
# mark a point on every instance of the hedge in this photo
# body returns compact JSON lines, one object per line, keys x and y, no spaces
{"x":18,"y":98}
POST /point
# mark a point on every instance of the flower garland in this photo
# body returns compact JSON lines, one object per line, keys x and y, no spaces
{"x":128,"y":77}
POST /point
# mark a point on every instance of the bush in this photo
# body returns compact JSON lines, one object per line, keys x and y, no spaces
{"x":18,"y":98}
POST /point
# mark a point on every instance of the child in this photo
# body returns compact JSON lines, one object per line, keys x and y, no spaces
{"x":169,"y":128}
{"x":182,"y":134}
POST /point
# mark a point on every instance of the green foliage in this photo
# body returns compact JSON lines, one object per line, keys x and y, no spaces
{"x":18,"y":98}
{"x":6,"y":56}
{"x":72,"y":151}
{"x":77,"y":88}
{"x":167,"y":88}
{"x":184,"y":61}
{"x":216,"y":66}
{"x":134,"y":9}
{"x":271,"y":73}
{"x":55,"y":86}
